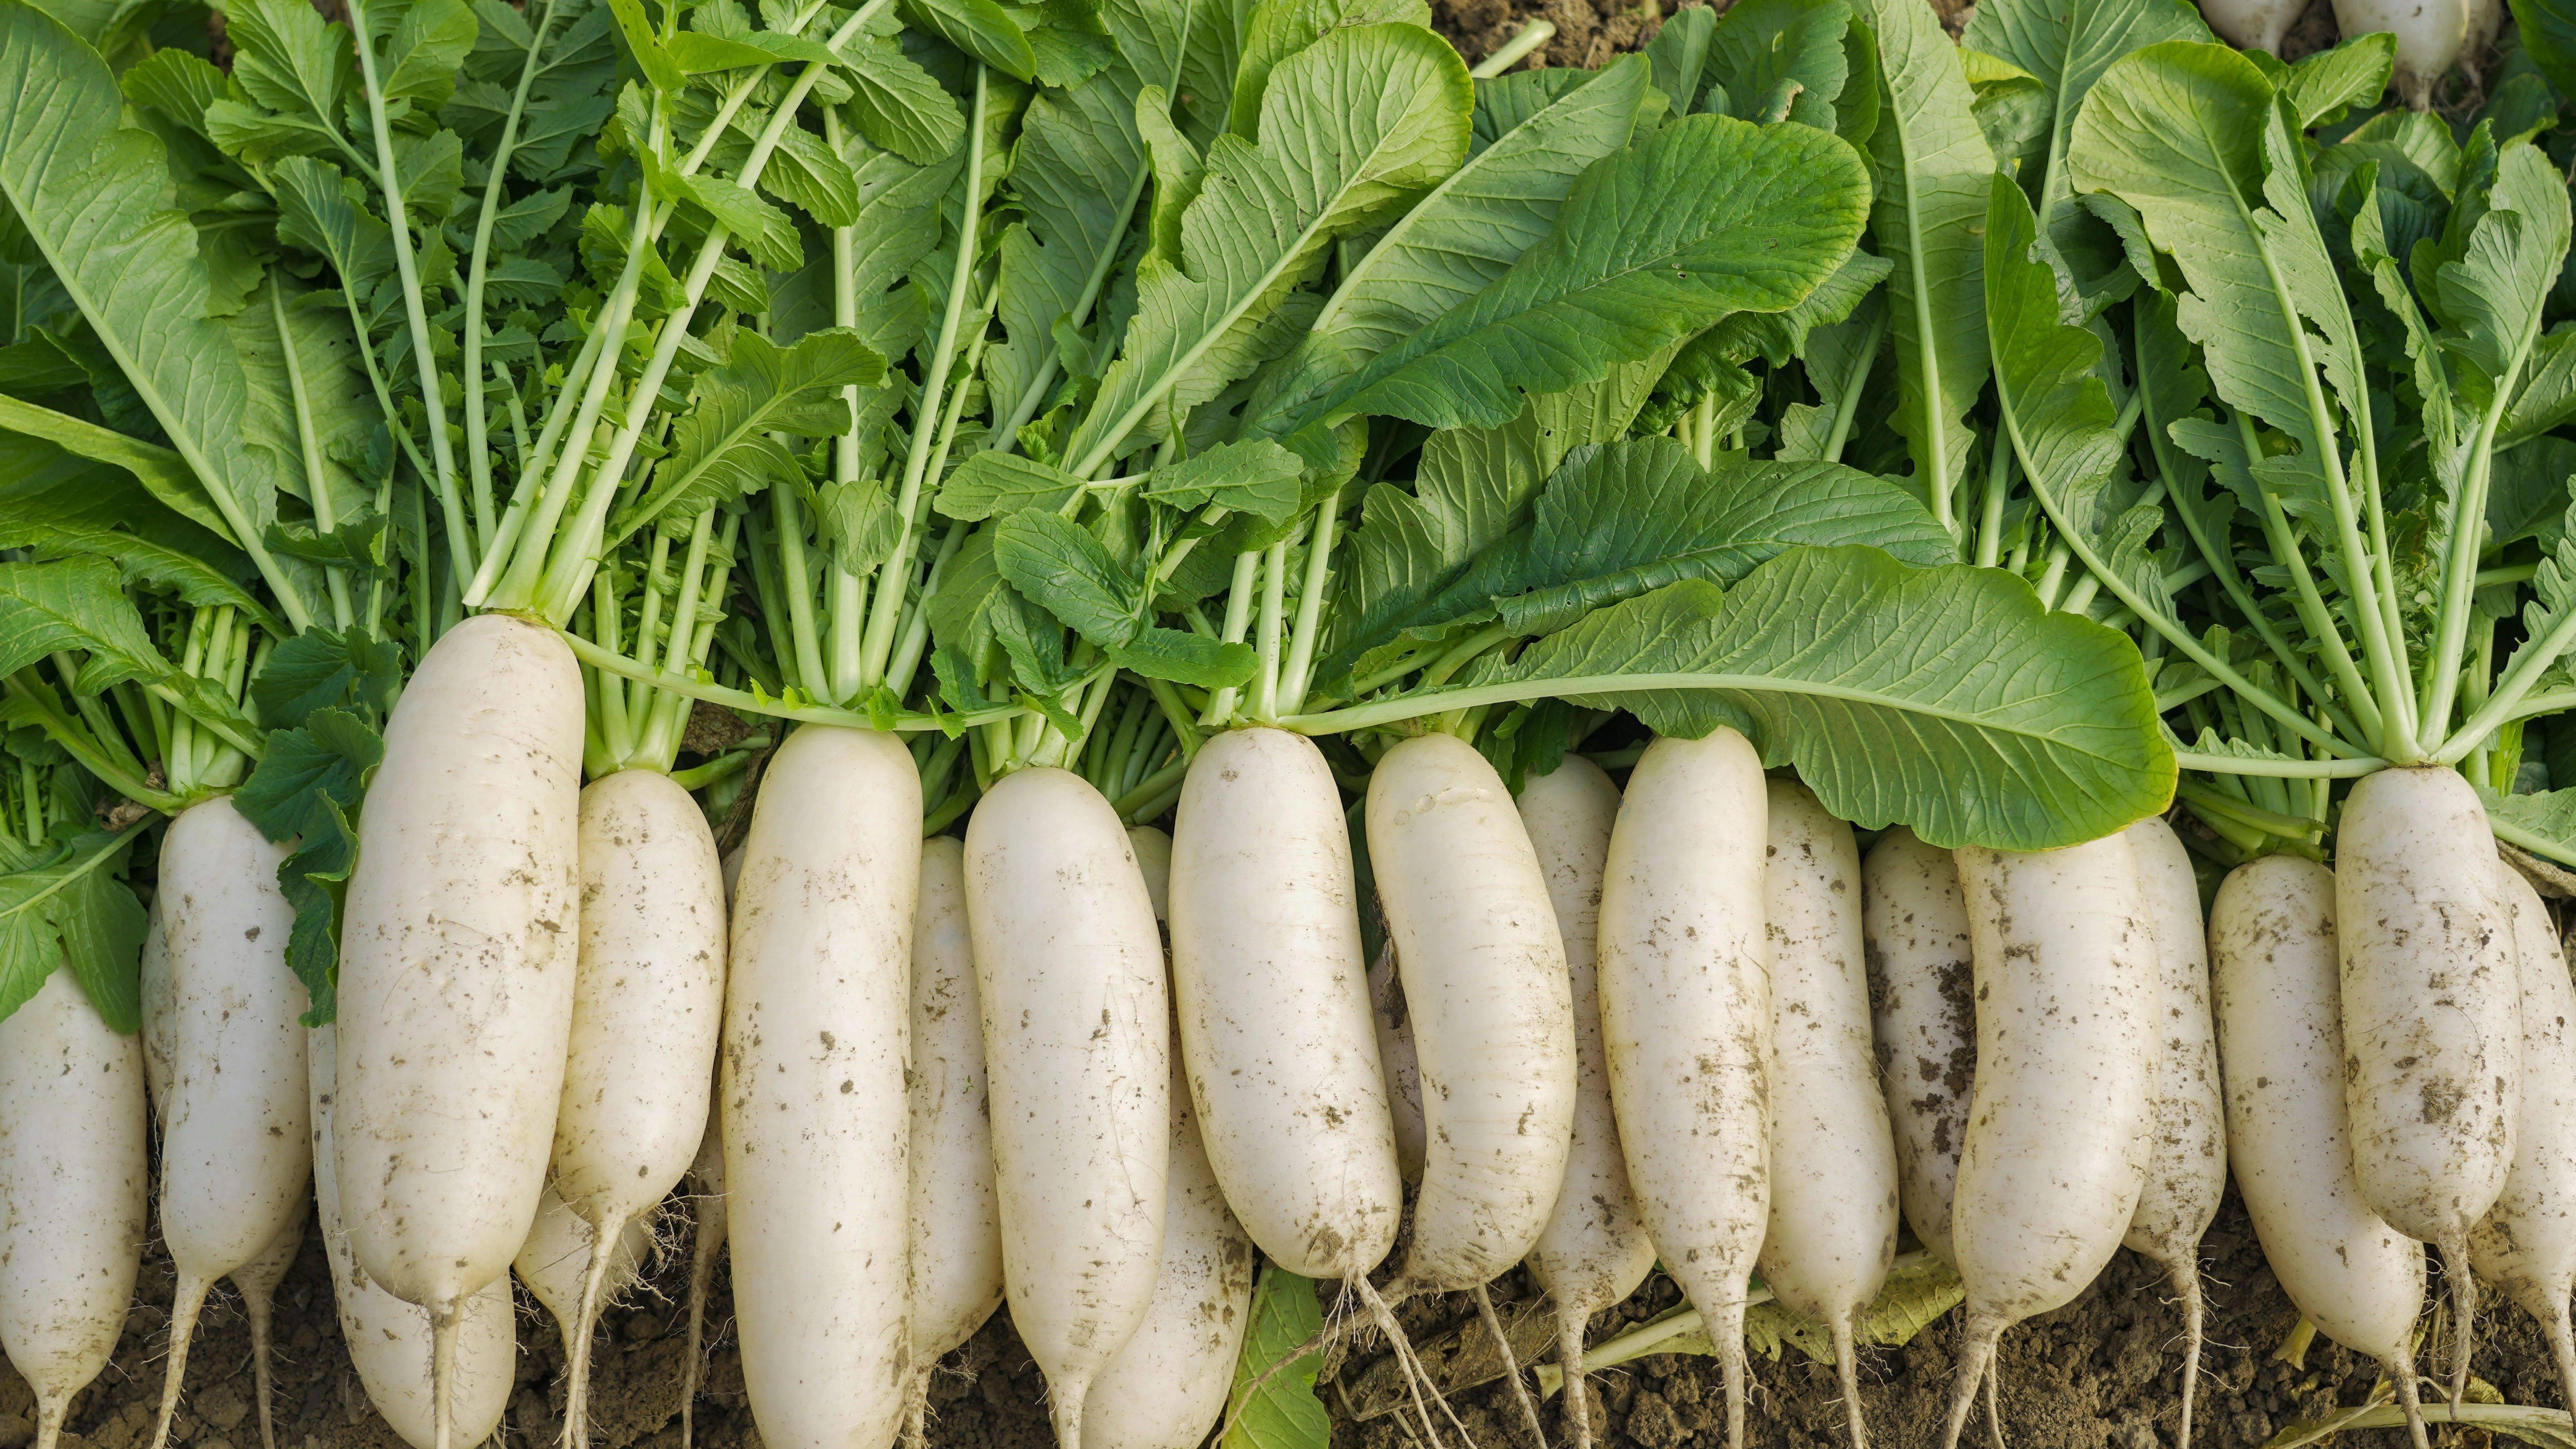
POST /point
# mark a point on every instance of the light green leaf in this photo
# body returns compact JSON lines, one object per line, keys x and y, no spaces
{"x":1259,"y":478}
{"x":897,"y":105}
{"x":2546,"y":398}
{"x":1059,"y":566}
{"x":1930,"y":162}
{"x":1281,"y":29}
{"x":92,"y":195}
{"x":2543,"y":822}
{"x":430,"y":40}
{"x":1459,"y":238}
{"x":725,"y":446}
{"x":56,"y":504}
{"x":1349,"y":127}
{"x":2065,"y":45}
{"x":1761,"y":48}
{"x":1283,"y":1412}
{"x":1706,"y":217}
{"x":980,"y":28}
{"x":990,"y":485}
{"x":75,"y":911}
{"x":2322,"y":86}
{"x":1186,"y":658}
{"x":1946,"y":699}
{"x":75,"y":604}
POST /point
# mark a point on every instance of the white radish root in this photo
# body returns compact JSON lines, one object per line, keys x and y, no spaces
{"x":2062,"y":1127}
{"x":1686,"y":1021}
{"x":2526,"y":1244}
{"x":1594,"y":1250}
{"x":1403,"y":1074}
{"x":72,"y":1183}
{"x":2432,"y":1017}
{"x":817,"y":1016}
{"x":956,"y":1224}
{"x":556,"y":1264}
{"x":2253,"y":24}
{"x":1924,"y":1021}
{"x":648,"y":1005}
{"x":1077,"y":1053}
{"x":236,"y":1148}
{"x":389,"y":1340}
{"x":706,"y":1242}
{"x":1276,"y":1029}
{"x":2430,"y":35}
{"x":456,"y":967}
{"x":2277,"y":1000}
{"x":258,"y":1280}
{"x":1832,"y":1231}
{"x":2187,"y":1176}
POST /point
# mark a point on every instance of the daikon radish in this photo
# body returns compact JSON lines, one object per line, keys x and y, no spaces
{"x":1686,"y":1021}
{"x":1077,"y":1057}
{"x":1924,"y":1021}
{"x":817,"y":1016}
{"x":1832,"y":1230}
{"x":1403,"y":1074}
{"x":2432,"y":1016}
{"x":2187,"y":1175}
{"x":956,"y":1227}
{"x":556,"y":1261}
{"x":2277,"y":996}
{"x":72,"y":1183}
{"x":2526,"y":1244}
{"x":258,"y":1280}
{"x":2062,"y":1127}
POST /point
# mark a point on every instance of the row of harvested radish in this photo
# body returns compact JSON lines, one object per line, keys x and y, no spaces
{"x":2432,"y":36}
{"x":948,"y":1073}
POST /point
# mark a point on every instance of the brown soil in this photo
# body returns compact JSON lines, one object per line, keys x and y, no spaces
{"x":2105,"y":1372}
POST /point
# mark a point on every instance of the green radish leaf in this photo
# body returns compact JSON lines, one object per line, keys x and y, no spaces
{"x":324,"y":762}
{"x":91,"y":195}
{"x":727,"y":444}
{"x":323,"y":669}
{"x":1706,"y":217}
{"x":1458,"y":239}
{"x":429,"y":41}
{"x":991,"y":485}
{"x":2056,"y":412}
{"x":1946,"y":699}
{"x":2323,"y":86}
{"x":2527,"y":495}
{"x":75,"y":911}
{"x":1761,"y":48}
{"x":698,"y":53}
{"x":1839,"y":359}
{"x":160,"y":470}
{"x":857,"y":521}
{"x":315,"y":882}
{"x":980,"y":28}
{"x":1187,"y":658}
{"x":1324,"y":166}
{"x":897,"y":105}
{"x":1677,"y":58}
{"x":76,"y":603}
{"x":2548,"y":33}
{"x":1259,"y":478}
{"x":2546,"y":398}
{"x":1078,"y":162}
{"x":2066,"y":45}
{"x":2543,"y":823}
{"x":2491,"y":296}
{"x":56,"y":503}
{"x":1279,"y":30}
{"x":1282,"y":1413}
{"x":1930,"y":162}
{"x":1473,"y":487}
{"x":1917,"y":1291}
{"x":291,"y":64}
{"x":1061,"y":568}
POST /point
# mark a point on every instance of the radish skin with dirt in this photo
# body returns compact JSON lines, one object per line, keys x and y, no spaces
{"x":2276,"y":994}
{"x":2187,"y":1176}
{"x":1914,"y":922}
{"x":2062,"y":1127}
{"x":1686,"y":1021}
{"x":390,"y":1342}
{"x":1077,"y":1059}
{"x":1403,"y":1075}
{"x":1167,"y":1387}
{"x":236,"y":1146}
{"x":72,"y":1184}
{"x":648,"y":1005}
{"x":257,"y":1281}
{"x":2432,"y":1016}
{"x":2526,"y":1244}
{"x":706,"y":1243}
{"x":816,"y":1121}
{"x":1272,"y":992}
{"x":956,"y":1227}
{"x":557,"y":1261}
{"x":457,"y":965}
{"x":1832,"y":1232}
{"x":1594,"y":1250}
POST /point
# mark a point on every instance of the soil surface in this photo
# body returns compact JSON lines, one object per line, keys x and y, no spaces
{"x":2105,"y":1372}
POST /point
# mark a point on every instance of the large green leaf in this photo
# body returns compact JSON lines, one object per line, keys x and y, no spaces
{"x":93,"y":196}
{"x":729,"y":443}
{"x":1930,"y":162}
{"x":2056,"y":412}
{"x":1350,"y":126}
{"x":1460,"y":237}
{"x":55,"y":504}
{"x":77,"y":603}
{"x":2188,"y":135}
{"x":73,"y":910}
{"x":1764,"y":52}
{"x":1079,"y":165}
{"x":1946,"y":700}
{"x":1706,"y":217}
{"x":2066,"y":45}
